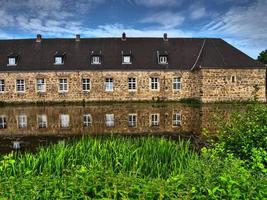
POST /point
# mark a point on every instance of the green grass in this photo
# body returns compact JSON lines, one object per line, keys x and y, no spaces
{"x":126,"y":168}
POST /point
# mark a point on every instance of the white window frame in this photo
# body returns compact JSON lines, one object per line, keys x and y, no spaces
{"x":58,"y":60}
{"x":109,"y":120}
{"x":132,"y":81}
{"x":40,"y":83}
{"x":86,"y":84}
{"x":20,"y":84}
{"x":12,"y":61}
{"x":64,"y":120}
{"x":2,"y":85}
{"x":109,"y":84}
{"x":154,"y":83}
{"x":176,"y":83}
{"x":22,"y":121}
{"x":95,"y":60}
{"x":64,"y":83}
{"x":132,"y":120}
{"x":154,"y":119}
{"x":3,"y":122}
{"x":87,"y":120}
{"x":163,"y":59}
{"x":176,"y":119}
{"x":126,"y":59}
{"x":42,"y":121}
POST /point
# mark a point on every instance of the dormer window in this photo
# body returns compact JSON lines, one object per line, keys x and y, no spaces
{"x":163,"y":60}
{"x":162,"y":57}
{"x":126,"y":59}
{"x":95,"y":60}
{"x":12,"y":60}
{"x":58,"y":60}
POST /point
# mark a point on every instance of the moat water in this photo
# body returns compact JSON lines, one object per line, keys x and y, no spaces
{"x":24,"y":128}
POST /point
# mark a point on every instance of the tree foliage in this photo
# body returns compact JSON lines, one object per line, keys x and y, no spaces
{"x":263,"y":57}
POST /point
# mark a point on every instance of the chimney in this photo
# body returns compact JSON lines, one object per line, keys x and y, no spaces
{"x":123,"y":38}
{"x":78,"y":38}
{"x":39,"y":38}
{"x":165,"y":37}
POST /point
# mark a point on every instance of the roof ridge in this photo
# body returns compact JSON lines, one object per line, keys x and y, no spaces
{"x":200,"y":52}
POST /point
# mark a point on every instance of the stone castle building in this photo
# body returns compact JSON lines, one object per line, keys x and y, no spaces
{"x":127,"y":69}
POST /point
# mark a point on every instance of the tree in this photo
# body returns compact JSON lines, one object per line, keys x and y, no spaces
{"x":263,"y":57}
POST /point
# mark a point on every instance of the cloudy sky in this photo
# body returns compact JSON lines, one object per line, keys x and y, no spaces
{"x":242,"y":23}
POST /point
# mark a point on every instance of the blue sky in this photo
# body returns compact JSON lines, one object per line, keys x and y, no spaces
{"x":242,"y":23}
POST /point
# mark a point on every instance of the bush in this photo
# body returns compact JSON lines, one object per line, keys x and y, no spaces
{"x":245,"y":136}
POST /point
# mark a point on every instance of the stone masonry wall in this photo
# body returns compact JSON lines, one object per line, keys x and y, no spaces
{"x":208,"y":85}
{"x":232,"y":84}
{"x":97,"y":93}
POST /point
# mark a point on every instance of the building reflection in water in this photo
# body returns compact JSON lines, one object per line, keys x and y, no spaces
{"x":98,"y":120}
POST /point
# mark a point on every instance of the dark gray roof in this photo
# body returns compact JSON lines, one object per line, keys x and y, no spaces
{"x":183,"y":53}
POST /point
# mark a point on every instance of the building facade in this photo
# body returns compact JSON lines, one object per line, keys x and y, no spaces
{"x":127,"y":69}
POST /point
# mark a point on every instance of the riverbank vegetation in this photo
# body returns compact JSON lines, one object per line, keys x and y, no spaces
{"x":115,"y":167}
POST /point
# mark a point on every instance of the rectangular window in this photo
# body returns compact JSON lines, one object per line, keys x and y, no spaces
{"x":42,"y":121}
{"x":40,"y":85}
{"x":132,"y":120}
{"x":2,"y":85}
{"x":87,"y":120}
{"x":86,"y":84}
{"x":176,"y":119}
{"x":163,"y":60}
{"x":109,"y":84}
{"x":126,"y":60}
{"x":95,"y":60}
{"x":3,"y":122}
{"x":58,"y":60}
{"x":22,"y":121}
{"x":64,"y":120}
{"x":12,"y":61}
{"x":176,"y":83}
{"x":154,"y":119}
{"x":132,"y":84}
{"x":154,"y":83}
{"x":20,"y":83}
{"x":109,"y":120}
{"x":63,"y":85}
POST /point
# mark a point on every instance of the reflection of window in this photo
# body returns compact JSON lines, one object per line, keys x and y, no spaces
{"x":87,"y":120}
{"x":163,"y":60}
{"x":22,"y":121}
{"x":154,"y":119}
{"x":95,"y":60}
{"x":20,"y":83}
{"x":2,"y":85}
{"x":86,"y":84}
{"x":132,"y":120}
{"x":40,"y":85}
{"x":109,"y":84}
{"x":176,"y":83}
{"x":2,"y":121}
{"x":176,"y":119}
{"x":63,"y":85}
{"x":154,"y":83}
{"x":42,"y":121}
{"x":109,"y":119}
{"x":131,"y":84}
{"x":64,"y":120}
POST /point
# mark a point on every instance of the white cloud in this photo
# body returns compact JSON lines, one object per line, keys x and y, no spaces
{"x":164,"y":19}
{"x":197,"y":11}
{"x":156,"y":3}
{"x":246,"y":25}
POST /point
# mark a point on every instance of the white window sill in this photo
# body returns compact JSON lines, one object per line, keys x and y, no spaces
{"x":10,"y":65}
{"x":58,"y":63}
{"x":95,"y":63}
{"x":126,"y":63}
{"x":133,"y":90}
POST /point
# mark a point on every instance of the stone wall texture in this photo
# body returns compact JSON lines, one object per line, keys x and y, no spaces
{"x":208,"y":85}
